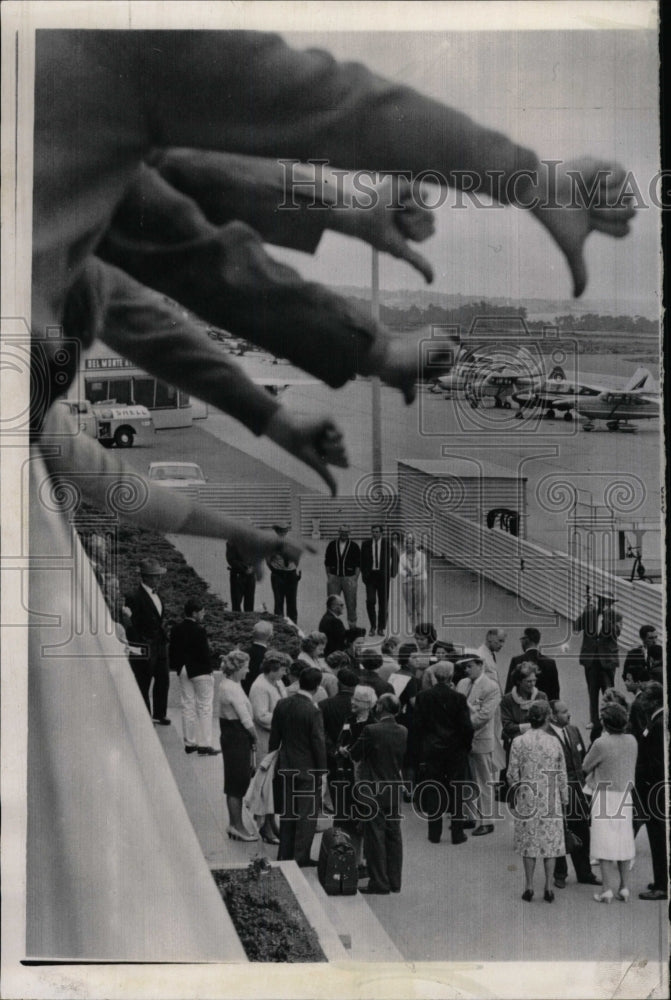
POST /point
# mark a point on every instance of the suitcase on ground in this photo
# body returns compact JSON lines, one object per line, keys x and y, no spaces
{"x":337,"y":867}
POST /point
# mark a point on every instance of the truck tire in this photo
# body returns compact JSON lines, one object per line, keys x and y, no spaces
{"x":123,"y":437}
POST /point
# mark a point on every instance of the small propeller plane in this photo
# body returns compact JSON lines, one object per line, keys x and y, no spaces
{"x":637,"y":400}
{"x":490,"y":376}
{"x":276,"y":386}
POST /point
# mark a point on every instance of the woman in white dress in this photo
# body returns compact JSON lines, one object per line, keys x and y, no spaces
{"x":611,"y":765}
{"x":413,"y":574}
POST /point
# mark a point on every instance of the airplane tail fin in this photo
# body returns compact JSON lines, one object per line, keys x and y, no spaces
{"x":529,"y":361}
{"x":641,"y":379}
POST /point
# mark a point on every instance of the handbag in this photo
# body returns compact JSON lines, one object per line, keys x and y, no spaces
{"x":246,"y":815}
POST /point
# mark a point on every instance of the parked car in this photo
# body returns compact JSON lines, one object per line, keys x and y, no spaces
{"x":175,"y":474}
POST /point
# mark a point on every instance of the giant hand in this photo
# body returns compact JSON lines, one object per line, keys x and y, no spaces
{"x":317,"y":441}
{"x":386,"y":215}
{"x":586,"y":195}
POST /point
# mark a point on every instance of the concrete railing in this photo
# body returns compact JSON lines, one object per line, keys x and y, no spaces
{"x":262,"y":503}
{"x":550,"y":580}
{"x":320,"y":517}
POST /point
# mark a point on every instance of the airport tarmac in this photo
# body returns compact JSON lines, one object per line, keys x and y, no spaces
{"x":603,"y":466}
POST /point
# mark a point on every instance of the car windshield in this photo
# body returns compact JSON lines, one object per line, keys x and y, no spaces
{"x":176,"y":472}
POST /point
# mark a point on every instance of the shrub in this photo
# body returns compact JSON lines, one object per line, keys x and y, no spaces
{"x":226,"y":629}
{"x":265,"y":913}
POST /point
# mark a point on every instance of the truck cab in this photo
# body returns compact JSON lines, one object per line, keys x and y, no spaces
{"x":111,"y":423}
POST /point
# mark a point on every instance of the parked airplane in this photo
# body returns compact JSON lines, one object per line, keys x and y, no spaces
{"x":489,"y":376}
{"x":556,"y":392}
{"x":276,"y":386}
{"x":637,"y":400}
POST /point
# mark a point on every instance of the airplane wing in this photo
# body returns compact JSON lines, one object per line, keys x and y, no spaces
{"x":285,"y":382}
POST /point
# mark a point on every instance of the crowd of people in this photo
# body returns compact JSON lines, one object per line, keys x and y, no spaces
{"x":352,"y":728}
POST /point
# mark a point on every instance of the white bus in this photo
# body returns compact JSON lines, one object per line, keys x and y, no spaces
{"x":106,"y":377}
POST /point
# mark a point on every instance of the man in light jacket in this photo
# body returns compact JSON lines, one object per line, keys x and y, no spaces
{"x":483,"y":696}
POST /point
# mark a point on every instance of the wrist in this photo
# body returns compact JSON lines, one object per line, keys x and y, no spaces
{"x":272,"y":407}
{"x":280,"y":427}
{"x":376,"y":358}
{"x":528,"y":186}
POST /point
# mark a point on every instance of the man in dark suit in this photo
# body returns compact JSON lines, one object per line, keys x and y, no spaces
{"x":379,"y":565}
{"x":336,"y":709}
{"x":343,"y":565}
{"x":371,"y":662}
{"x":587,"y":623}
{"x":297,"y":729}
{"x":284,"y":578}
{"x":335,"y":712}
{"x":635,"y":680}
{"x":146,"y":629}
{"x":262,"y":633}
{"x":600,"y":625}
{"x":443,"y":721}
{"x":639,"y":656}
{"x":381,"y":749}
{"x":610,"y":626}
{"x":333,"y":627}
{"x":242,"y":579}
{"x":547,"y":676}
{"x":577,"y":810}
{"x":651,"y":790}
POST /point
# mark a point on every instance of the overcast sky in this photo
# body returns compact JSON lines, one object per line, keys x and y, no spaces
{"x":562,"y":93}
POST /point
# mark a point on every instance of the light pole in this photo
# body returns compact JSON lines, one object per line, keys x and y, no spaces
{"x":376,"y":393}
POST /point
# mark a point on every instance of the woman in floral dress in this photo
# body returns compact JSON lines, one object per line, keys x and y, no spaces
{"x":538,"y":769}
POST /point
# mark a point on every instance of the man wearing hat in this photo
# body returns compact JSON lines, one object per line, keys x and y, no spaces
{"x":284,"y":577}
{"x":147,"y":630}
{"x":600,"y":625}
{"x":483,"y":696}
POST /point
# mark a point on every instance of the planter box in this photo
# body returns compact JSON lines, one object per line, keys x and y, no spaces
{"x":311,"y":907}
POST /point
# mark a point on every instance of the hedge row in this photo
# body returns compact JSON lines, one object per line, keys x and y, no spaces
{"x":226,"y":629}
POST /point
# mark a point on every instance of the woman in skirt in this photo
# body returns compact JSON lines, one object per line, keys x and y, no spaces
{"x":611,"y":762}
